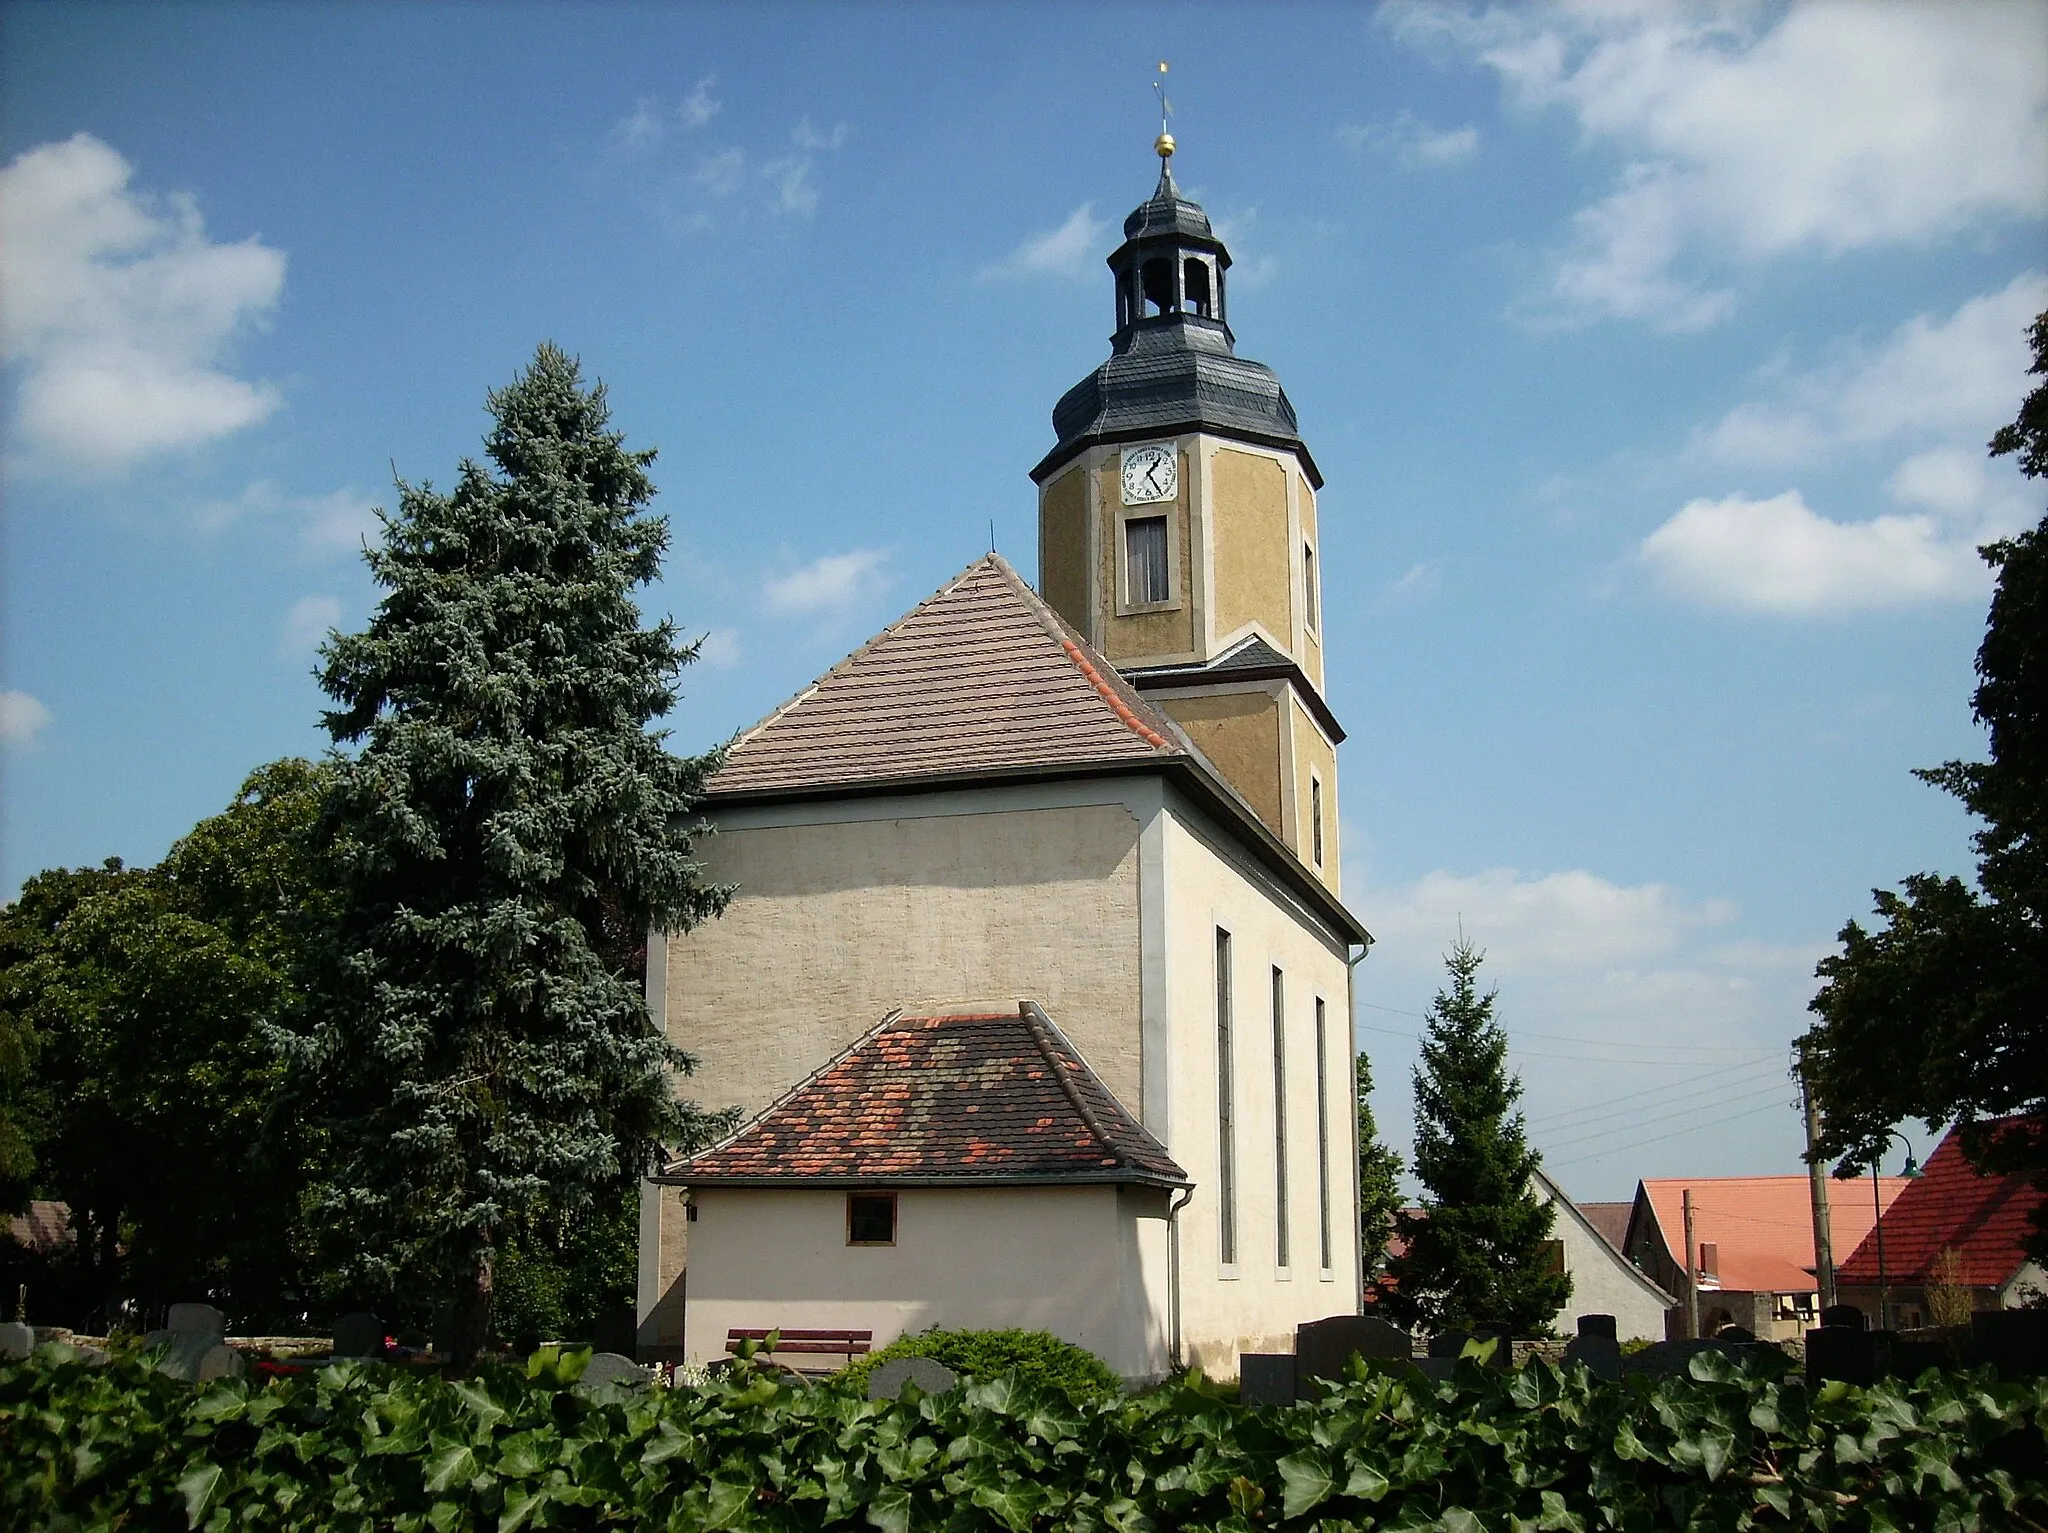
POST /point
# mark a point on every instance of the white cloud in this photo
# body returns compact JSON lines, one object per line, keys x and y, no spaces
{"x":1638,"y":1019}
{"x":306,"y":624}
{"x":1957,"y":377}
{"x":781,"y":184}
{"x":1418,"y":581}
{"x":23,"y":716}
{"x":723,"y":173}
{"x":1411,"y":140}
{"x":720,"y":649}
{"x":341,"y":521}
{"x":117,"y":311}
{"x":650,"y":123}
{"x":830,"y":585}
{"x":811,"y":141}
{"x":1748,"y":132}
{"x":1071,"y":250}
{"x":1779,"y":556}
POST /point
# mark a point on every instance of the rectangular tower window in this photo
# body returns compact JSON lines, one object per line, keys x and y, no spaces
{"x":1323,"y":1131}
{"x":1315,"y":815}
{"x":1280,"y":1241}
{"x":1226,"y":1131}
{"x":871,"y":1218}
{"x":1145,"y":560}
{"x":1309,"y":605}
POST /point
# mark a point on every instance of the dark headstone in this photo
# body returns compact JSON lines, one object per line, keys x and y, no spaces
{"x":359,"y":1335}
{"x":1845,"y":1317}
{"x":1598,"y":1355}
{"x":1324,"y":1348}
{"x":1673,"y":1359}
{"x":616,"y":1330}
{"x":932,"y":1377}
{"x":1265,"y":1378}
{"x":1598,"y":1325}
{"x":1735,"y":1333}
{"x":611,"y":1368}
{"x":2014,"y":1341}
{"x":1842,"y":1353}
{"x":197,"y":1319}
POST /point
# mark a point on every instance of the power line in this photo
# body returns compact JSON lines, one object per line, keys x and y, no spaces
{"x":1579,"y":1160}
{"x":1596,"y":1059}
{"x":1755,"y":1073}
{"x":1630,"y":1128}
{"x":1600,"y":1043}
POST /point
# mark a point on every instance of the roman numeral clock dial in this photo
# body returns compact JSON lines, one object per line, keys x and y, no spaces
{"x":1150,"y":474}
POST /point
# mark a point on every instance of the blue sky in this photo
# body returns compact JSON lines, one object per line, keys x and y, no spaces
{"x":1649,"y":354}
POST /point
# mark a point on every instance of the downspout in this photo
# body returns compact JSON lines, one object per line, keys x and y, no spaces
{"x":1173,"y":1276}
{"x":1351,"y":1032}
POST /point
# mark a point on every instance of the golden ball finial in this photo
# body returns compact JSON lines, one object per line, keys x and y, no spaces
{"x":1164,"y":146}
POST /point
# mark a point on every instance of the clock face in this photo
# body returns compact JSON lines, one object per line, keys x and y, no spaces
{"x":1150,"y":473}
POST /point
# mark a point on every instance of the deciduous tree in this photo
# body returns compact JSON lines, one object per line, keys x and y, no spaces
{"x":506,"y":827}
{"x":1476,"y":1256}
{"x":1937,"y":1014}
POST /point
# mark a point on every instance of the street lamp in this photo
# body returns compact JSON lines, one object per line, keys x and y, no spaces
{"x":1911,"y":1168}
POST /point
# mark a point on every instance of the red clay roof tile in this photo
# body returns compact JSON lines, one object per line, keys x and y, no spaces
{"x":1983,"y":1219}
{"x":1000,"y":1096}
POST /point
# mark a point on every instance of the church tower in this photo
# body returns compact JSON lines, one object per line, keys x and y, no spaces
{"x":1178,"y":530}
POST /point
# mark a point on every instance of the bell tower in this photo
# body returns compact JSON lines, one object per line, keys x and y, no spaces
{"x":1177,"y":527}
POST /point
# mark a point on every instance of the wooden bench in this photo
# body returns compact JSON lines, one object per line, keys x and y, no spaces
{"x":841,"y":1344}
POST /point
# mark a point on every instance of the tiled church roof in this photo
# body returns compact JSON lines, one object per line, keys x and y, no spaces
{"x":951,"y":1100}
{"x":1983,"y":1219}
{"x":982,"y":677}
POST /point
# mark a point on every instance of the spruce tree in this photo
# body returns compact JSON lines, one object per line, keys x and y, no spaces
{"x":507,"y":829}
{"x":1475,"y":1255}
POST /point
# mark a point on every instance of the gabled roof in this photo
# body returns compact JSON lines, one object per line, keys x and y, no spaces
{"x":980,"y":677}
{"x":1951,"y":1206}
{"x":1610,"y":1220}
{"x":1541,"y":1184}
{"x":980,"y":684}
{"x":1761,"y":1225}
{"x":977,"y":1100}
{"x":1249,"y":659}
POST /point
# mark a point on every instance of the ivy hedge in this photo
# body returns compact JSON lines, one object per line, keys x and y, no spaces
{"x":361,"y":1446}
{"x":1035,"y":1357}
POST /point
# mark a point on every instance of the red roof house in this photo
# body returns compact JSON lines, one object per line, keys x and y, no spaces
{"x":1952,"y":1207}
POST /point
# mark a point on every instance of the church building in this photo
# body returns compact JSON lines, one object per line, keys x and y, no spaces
{"x":1035,"y":990}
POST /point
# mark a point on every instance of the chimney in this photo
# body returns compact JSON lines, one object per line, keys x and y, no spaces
{"x":1710,"y":1263}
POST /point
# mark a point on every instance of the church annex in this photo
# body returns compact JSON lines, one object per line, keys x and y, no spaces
{"x":1035,"y":990}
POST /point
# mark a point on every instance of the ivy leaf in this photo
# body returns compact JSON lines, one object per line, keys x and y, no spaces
{"x":890,"y":1510}
{"x":727,"y":1500}
{"x":1365,"y":1482}
{"x":452,"y":1464}
{"x":1308,"y":1482}
{"x":197,"y":1487}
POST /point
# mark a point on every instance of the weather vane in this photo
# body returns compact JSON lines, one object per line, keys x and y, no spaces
{"x":1164,"y":143}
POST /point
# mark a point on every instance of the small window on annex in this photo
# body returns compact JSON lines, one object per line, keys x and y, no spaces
{"x":1145,"y":573}
{"x":871,"y":1218}
{"x":1310,"y":606}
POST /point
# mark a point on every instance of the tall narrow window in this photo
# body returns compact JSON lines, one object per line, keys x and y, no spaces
{"x":1145,"y":560}
{"x":1226,"y":1128}
{"x":1323,"y":1131}
{"x":1315,"y":815}
{"x":1309,"y":604}
{"x":1280,"y":1241}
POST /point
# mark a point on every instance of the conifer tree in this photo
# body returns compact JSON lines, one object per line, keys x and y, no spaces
{"x":1379,"y":1179}
{"x":1475,"y":1256}
{"x":507,"y":829}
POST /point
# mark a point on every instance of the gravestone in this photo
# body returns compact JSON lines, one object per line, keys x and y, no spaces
{"x":197,"y":1319}
{"x":16,"y":1340}
{"x":1673,"y":1359}
{"x":1323,"y":1348}
{"x":1265,"y":1378}
{"x":616,"y":1330}
{"x":2014,"y":1341}
{"x":886,"y":1380}
{"x":1840,"y":1349}
{"x":610,"y":1368}
{"x":360,"y":1334}
{"x":194,"y":1356}
{"x":1595,"y":1347}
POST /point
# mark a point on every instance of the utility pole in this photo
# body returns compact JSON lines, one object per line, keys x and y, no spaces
{"x":1692,"y":1275}
{"x":1817,"y":1181}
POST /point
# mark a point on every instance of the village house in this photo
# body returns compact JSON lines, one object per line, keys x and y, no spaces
{"x":1952,"y":1225}
{"x":1035,"y":991}
{"x":1754,"y":1259}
